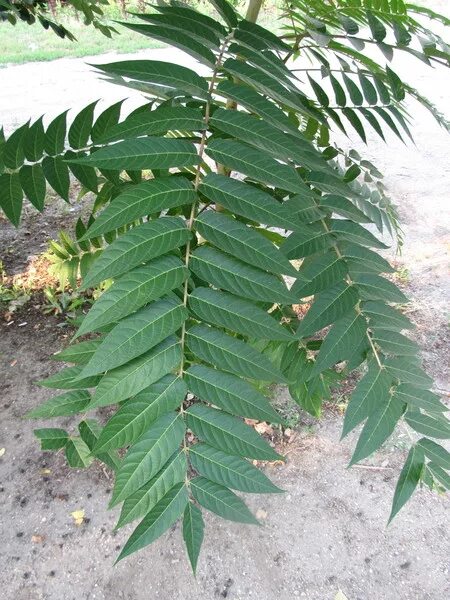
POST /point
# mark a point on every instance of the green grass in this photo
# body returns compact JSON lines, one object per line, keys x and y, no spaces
{"x":26,"y":43}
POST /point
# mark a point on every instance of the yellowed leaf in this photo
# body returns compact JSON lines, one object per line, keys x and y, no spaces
{"x":78,"y":516}
{"x":2,"y":452}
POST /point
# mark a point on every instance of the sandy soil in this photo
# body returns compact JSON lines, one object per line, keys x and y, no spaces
{"x":327,"y":533}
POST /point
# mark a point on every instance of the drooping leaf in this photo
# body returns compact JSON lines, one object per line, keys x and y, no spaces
{"x":136,"y":415}
{"x":228,"y":433}
{"x":230,"y":393}
{"x":193,"y":527}
{"x":232,"y":354}
{"x":378,"y":427}
{"x":327,"y":307}
{"x":230,"y":471}
{"x":138,"y":245}
{"x":158,"y":520}
{"x":243,"y":242}
{"x":51,"y":438}
{"x":129,"y":379}
{"x":148,"y":455}
{"x":408,"y":480}
{"x":63,"y":405}
{"x":136,"y":334}
{"x":131,"y":291}
{"x":239,"y":315}
{"x":146,"y":497}
{"x":230,"y":274}
{"x":221,"y":501}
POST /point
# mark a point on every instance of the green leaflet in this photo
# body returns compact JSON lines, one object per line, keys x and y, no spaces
{"x":362,"y":260}
{"x":374,"y":287}
{"x":268,"y":138}
{"x":340,"y":342}
{"x":55,"y":136}
{"x":257,"y":104}
{"x":436,"y":426}
{"x":11,"y":197}
{"x":33,"y":184}
{"x":78,"y":354}
{"x":239,"y":315}
{"x":378,"y":427}
{"x":141,"y":200}
{"x":221,"y":501}
{"x":308,"y":240}
{"x":133,"y":290}
{"x":370,"y":390}
{"x":89,"y":431}
{"x":178,"y":39}
{"x":344,"y":207}
{"x":146,"y":497}
{"x":318,"y":273}
{"x":233,"y":275}
{"x":383,"y":315}
{"x":408,"y":480}
{"x":13,"y":154}
{"x":440,"y":475}
{"x":138,"y":245}
{"x":407,"y":370}
{"x":350,"y":231}
{"x":77,"y":453}
{"x":230,"y":393}
{"x":148,"y":455}
{"x":265,"y":84}
{"x":193,"y":527}
{"x":436,"y":453}
{"x":230,"y":471}
{"x":256,"y":165}
{"x":226,"y":11}
{"x":51,"y":438}
{"x":136,"y":415}
{"x":327,"y":307}
{"x":232,"y":354}
{"x":63,"y":405}
{"x":186,"y":21}
{"x":159,"y":73}
{"x":57,"y":174}
{"x":137,"y":334}
{"x":417,"y":398}
{"x":69,"y":379}
{"x":80,"y":130}
{"x":155,"y":122}
{"x":392,"y":342}
{"x":106,"y":121}
{"x":243,"y":242}
{"x":246,"y":200}
{"x":158,"y":520}
{"x":142,"y":153}
{"x":228,"y":433}
{"x":129,"y":379}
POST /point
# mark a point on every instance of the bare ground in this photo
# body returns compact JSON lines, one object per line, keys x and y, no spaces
{"x":327,"y":533}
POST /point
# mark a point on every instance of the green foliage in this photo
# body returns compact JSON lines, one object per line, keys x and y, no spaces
{"x":196,"y":311}
{"x":44,"y":13}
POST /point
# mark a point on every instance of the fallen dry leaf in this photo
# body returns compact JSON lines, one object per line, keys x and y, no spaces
{"x":45,"y":471}
{"x":37,"y":539}
{"x":78,"y":516}
{"x":261,"y":514}
{"x":2,"y":452}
